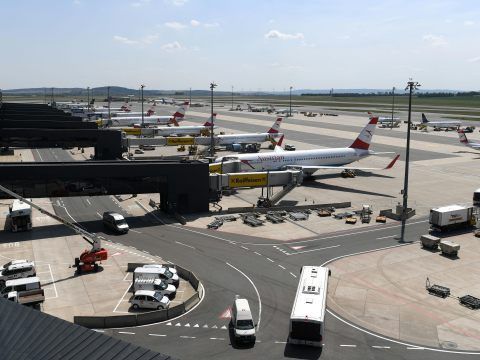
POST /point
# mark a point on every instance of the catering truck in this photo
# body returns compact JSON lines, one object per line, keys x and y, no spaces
{"x":450,"y":217}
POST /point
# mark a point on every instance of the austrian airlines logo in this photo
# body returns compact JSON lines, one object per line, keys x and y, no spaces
{"x":247,"y":163}
{"x":369,"y":132}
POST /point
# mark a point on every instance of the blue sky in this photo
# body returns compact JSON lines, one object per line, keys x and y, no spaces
{"x":251,"y":45}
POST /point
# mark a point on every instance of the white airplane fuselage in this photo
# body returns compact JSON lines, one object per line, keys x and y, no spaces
{"x":443,"y":124}
{"x":246,"y":138}
{"x":180,"y":130}
{"x":149,"y":120}
{"x":315,"y":157}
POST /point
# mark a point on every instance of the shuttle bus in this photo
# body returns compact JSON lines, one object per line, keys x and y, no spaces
{"x":307,"y":320}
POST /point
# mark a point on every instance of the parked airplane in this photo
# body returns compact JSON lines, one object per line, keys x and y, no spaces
{"x":313,"y":160}
{"x":258,"y":138}
{"x":253,"y":108}
{"x":153,"y":119}
{"x":438,"y":125}
{"x":387,"y":121}
{"x":463,"y":139}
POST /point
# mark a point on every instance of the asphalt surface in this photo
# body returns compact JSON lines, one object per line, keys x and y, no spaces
{"x":230,"y":264}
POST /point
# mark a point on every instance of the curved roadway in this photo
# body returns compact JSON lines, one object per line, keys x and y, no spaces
{"x":264,"y":271}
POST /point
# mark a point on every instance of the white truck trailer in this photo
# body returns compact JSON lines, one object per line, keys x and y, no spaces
{"x":19,"y":216}
{"x":450,"y":217}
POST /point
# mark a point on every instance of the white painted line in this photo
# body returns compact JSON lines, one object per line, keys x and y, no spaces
{"x":347,"y":345}
{"x":217,"y":338}
{"x":99,"y":215}
{"x":126,"y":332}
{"x":415,"y":348}
{"x":258,"y":295}
{"x":40,"y":156}
{"x":280,"y":266}
{"x":306,"y":251}
{"x":178,"y":324}
{"x":125,"y":277}
{"x":280,"y":342}
{"x":180,"y":243}
{"x":380,"y":347}
{"x":119,"y":301}
{"x":386,"y":237}
{"x":136,"y":231}
{"x":156,"y":335}
{"x":88,"y":201}
{"x":270,"y":260}
{"x":187,"y":337}
{"x":100,"y":331}
{"x":257,"y":253}
{"x":295,"y":276}
{"x":53,"y":281}
{"x":244,"y":247}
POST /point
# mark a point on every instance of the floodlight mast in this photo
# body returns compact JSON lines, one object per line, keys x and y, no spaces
{"x":212,"y":140}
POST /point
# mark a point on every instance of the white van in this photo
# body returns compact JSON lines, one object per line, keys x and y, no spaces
{"x":19,"y":285}
{"x":242,"y":321}
{"x":147,"y":299}
{"x":17,"y":269}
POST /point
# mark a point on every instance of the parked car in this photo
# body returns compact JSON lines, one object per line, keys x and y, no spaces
{"x":148,"y":299}
{"x":17,"y":269}
{"x":158,"y":266}
{"x":139,"y":151}
{"x":115,"y":221}
{"x":242,"y":321}
{"x":157,"y":285}
{"x":20,"y":285}
{"x":289,"y":147}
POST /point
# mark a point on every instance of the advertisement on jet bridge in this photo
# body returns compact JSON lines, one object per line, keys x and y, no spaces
{"x":247,"y":180}
{"x":132,"y":131}
{"x":172,"y":141}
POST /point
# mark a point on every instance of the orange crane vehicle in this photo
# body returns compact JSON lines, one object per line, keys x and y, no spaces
{"x":87,"y":261}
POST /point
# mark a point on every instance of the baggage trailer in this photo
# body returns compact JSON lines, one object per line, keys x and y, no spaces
{"x":430,"y":242}
{"x":451,"y":217}
{"x":449,"y":248}
{"x":470,"y":301}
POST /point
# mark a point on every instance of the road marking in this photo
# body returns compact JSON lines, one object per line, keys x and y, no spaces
{"x":99,"y":215}
{"x":187,"y":337}
{"x":157,"y":335}
{"x":205,"y":326}
{"x":187,"y":325}
{"x":136,"y":231}
{"x":40,"y":156}
{"x":121,"y":299}
{"x":178,"y":324}
{"x":306,"y":251}
{"x":257,"y":253}
{"x":126,"y":332}
{"x":169,"y":323}
{"x":295,"y":276}
{"x":88,"y":201}
{"x":380,"y":347}
{"x":270,"y":260}
{"x":258,"y":295}
{"x":214,"y":327}
{"x":280,"y":342}
{"x":415,"y":348}
{"x":280,"y":266}
{"x":347,"y":345}
{"x":217,"y":338}
{"x":180,"y":243}
{"x":53,"y":281}
{"x":244,"y":247}
{"x":100,"y":331}
{"x":125,"y":277}
{"x":196,"y":325}
{"x":386,"y":237}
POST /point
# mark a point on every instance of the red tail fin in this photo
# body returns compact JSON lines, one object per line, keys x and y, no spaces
{"x":174,"y":121}
{"x":364,"y":139}
{"x":389,"y":166}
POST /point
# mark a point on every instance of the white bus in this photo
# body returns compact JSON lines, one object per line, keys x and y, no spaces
{"x":307,"y":320}
{"x":20,"y":216}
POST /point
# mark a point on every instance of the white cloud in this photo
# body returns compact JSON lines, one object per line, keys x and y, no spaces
{"x":175,"y":25}
{"x":125,"y":40}
{"x":469,"y":23}
{"x":275,"y":34}
{"x":145,"y":40}
{"x":173,"y":46}
{"x":474,"y":60}
{"x":195,"y":23}
{"x":435,"y":40}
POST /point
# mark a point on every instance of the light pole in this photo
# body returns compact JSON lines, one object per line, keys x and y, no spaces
{"x":190,"y":97}
{"x":141,"y":90}
{"x":290,"y":115}
{"x":393,"y":106}
{"x":88,"y":100}
{"x":52,"y":99}
{"x":212,"y":142}
{"x":108,"y":99}
{"x":232,"y":97}
{"x":411,"y":85}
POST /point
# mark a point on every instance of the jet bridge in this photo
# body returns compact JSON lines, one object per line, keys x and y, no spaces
{"x":288,"y":179}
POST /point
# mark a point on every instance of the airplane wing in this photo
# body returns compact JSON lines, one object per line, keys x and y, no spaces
{"x":322,"y":167}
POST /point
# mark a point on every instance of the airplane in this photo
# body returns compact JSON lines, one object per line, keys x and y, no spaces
{"x":387,"y":121}
{"x":252,"y":138}
{"x":463,"y":139}
{"x":178,"y":115}
{"x":193,"y":130}
{"x":163,"y":101}
{"x":311,"y":161}
{"x":438,"y":125}
{"x":259,"y":109}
